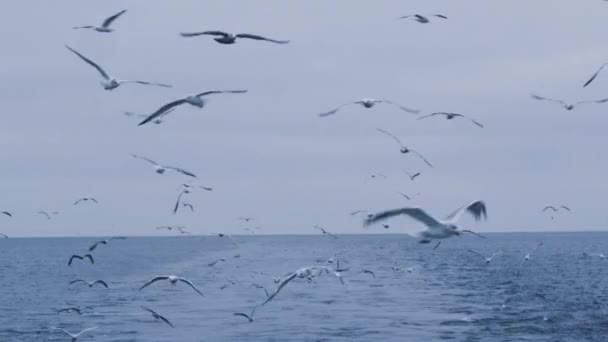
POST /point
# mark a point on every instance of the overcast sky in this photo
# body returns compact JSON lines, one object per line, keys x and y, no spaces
{"x":266,"y":153}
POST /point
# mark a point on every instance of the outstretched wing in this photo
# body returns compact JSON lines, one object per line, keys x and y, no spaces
{"x":432,"y":114}
{"x":476,"y":208}
{"x":549,"y":207}
{"x":415,"y":213}
{"x":108,"y":22}
{"x":211,"y":33}
{"x":90,"y":62}
{"x":390,"y":135}
{"x":422,"y":157}
{"x":403,"y":108}
{"x":284,"y":282}
{"x":102,"y":283}
{"x":155,"y":279}
{"x":181,"y":171}
{"x":472,"y":251}
{"x":243,"y":315}
{"x":541,"y":98}
{"x":146,"y":159}
{"x":191,"y":285}
{"x":90,"y":258}
{"x":440,"y":16}
{"x":85,"y":330}
{"x":333,"y":111}
{"x":162,"y":111}
{"x":566,"y":208}
{"x":77,"y":281}
{"x":148,"y":83}
{"x":256,"y":37}
{"x":210,"y":92}
{"x":594,"y":75}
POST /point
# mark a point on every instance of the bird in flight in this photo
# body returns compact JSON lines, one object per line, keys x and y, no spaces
{"x":173,"y":280}
{"x":74,"y":337}
{"x":246,"y":219}
{"x":229,"y":38}
{"x":450,"y":116}
{"x":170,"y":228}
{"x":109,"y":82}
{"x":369,"y":103}
{"x":157,"y":316}
{"x":567,"y":106}
{"x":487,"y":260}
{"x":249,"y":317}
{"x":402,"y":148}
{"x":308,"y":273}
{"x":188,"y":205}
{"x":97,"y":243}
{"x":81,"y":257}
{"x":105,"y":26}
{"x":423,"y":19}
{"x":404,"y":195}
{"x":47,"y":215}
{"x":197,"y":100}
{"x":160,"y":169}
{"x":86,"y":199}
{"x":554,"y":209}
{"x":7,"y":213}
{"x":90,"y":284}
{"x":594,"y":75}
{"x":325,"y":232}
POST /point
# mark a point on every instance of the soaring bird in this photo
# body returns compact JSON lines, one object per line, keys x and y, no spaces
{"x":595,"y":75}
{"x":487,"y":260}
{"x":196,"y":100}
{"x":229,"y":38}
{"x":423,"y":19}
{"x":436,"y":229}
{"x":369,"y":103}
{"x":7,"y":213}
{"x":554,"y":209}
{"x":249,"y":317}
{"x":160,"y":169}
{"x":81,"y":257}
{"x":105,"y":26}
{"x":47,"y":215}
{"x":189,"y":206}
{"x":108,"y":81}
{"x":86,"y":199}
{"x":97,"y":243}
{"x":402,"y":148}
{"x":308,"y":273}
{"x":173,"y":280}
{"x":157,"y":316}
{"x":567,"y":106}
{"x":74,"y":337}
{"x":325,"y":232}
{"x":529,"y":254}
{"x":90,"y":284}
{"x":450,"y":116}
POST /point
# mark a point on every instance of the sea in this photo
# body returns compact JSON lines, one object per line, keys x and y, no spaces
{"x":416,"y":293}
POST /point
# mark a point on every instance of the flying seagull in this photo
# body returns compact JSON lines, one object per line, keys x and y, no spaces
{"x":190,"y":206}
{"x":567,"y":106}
{"x":229,"y":38}
{"x":75,"y":256}
{"x":105,"y":26}
{"x":97,"y":243}
{"x":412,"y":176}
{"x":309,"y":273}
{"x":47,"y":215}
{"x":157,"y":316}
{"x":160,"y":169}
{"x":7,"y":213}
{"x":436,"y":229}
{"x":90,"y":284}
{"x":324,"y":231}
{"x":369,"y":272}
{"x":108,"y":81}
{"x":369,"y":103}
{"x":249,"y":317}
{"x":173,"y":280}
{"x":196,"y":100}
{"x":423,"y":19}
{"x":170,"y":227}
{"x":554,"y":209}
{"x":86,"y":199}
{"x":450,"y":116}
{"x":595,"y":75}
{"x":157,"y":121}
{"x":487,"y":260}
{"x":404,"y":149}
{"x":74,"y":337}
{"x":529,"y":254}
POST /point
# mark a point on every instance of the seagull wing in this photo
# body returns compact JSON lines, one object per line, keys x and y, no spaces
{"x":243,"y":315}
{"x":78,"y":201}
{"x":541,"y":98}
{"x":370,"y":272}
{"x":162,"y":318}
{"x":148,"y":83}
{"x":63,"y":331}
{"x":405,"y":195}
{"x":102,"y":283}
{"x":162,"y":111}
{"x":422,"y":157}
{"x":191,"y":285}
{"x":181,"y":171}
{"x":152,"y":281}
{"x":472,"y":232}
{"x":146,"y":159}
{"x":7,"y":214}
{"x":45,"y":214}
{"x":594,"y":75}
{"x":566,"y":208}
{"x":85,"y":330}
{"x":256,"y":37}
{"x":432,"y":114}
{"x":211,"y":33}
{"x":476,"y":208}
{"x":179,"y":197}
{"x":90,"y":62}
{"x":90,"y":258}
{"x":415,"y":213}
{"x":440,"y":16}
{"x":403,"y":108}
{"x":390,"y":135}
{"x":4,"y":235}
{"x":74,"y":257}
{"x":495,"y":254}
{"x":472,"y":251}
{"x":77,"y":281}
{"x":205,"y":93}
{"x":333,"y":111}
{"x":284,"y":282}
{"x":189,"y":206}
{"x":108,"y":22}
{"x":549,"y":207}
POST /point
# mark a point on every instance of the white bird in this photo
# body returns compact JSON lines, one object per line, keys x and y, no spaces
{"x":423,"y":19}
{"x":105,"y":26}
{"x":369,"y":103}
{"x":157,"y":121}
{"x":529,"y":254}
{"x":436,"y":229}
{"x":157,"y":316}
{"x":160,"y":169}
{"x":324,"y":231}
{"x":90,"y":284}
{"x":86,"y":199}
{"x":567,"y":106}
{"x":196,"y":100}
{"x":229,"y":38}
{"x":404,"y":149}
{"x":108,"y":81}
{"x":74,"y":337}
{"x":595,"y":75}
{"x":173,"y":280}
{"x":450,"y":116}
{"x":487,"y":260}
{"x":309,"y":273}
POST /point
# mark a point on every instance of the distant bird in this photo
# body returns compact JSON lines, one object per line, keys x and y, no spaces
{"x":90,"y":284}
{"x":7,"y":213}
{"x":436,"y":229}
{"x":385,"y":226}
{"x":554,"y":209}
{"x":451,"y":116}
{"x":196,"y":100}
{"x":487,"y":260}
{"x":567,"y":106}
{"x":405,"y":196}
{"x":157,"y":316}
{"x":369,"y":272}
{"x":74,"y":337}
{"x":182,"y":230}
{"x":246,"y":219}
{"x":403,"y":149}
{"x":600,"y":255}
{"x":595,"y":75}
{"x":75,"y":256}
{"x":4,"y":236}
{"x":423,"y":19}
{"x":69,"y":310}
{"x":529,"y":254}
{"x":86,"y":199}
{"x":378,"y":175}
{"x":229,"y":38}
{"x":222,"y":235}
{"x":190,"y":206}
{"x":157,"y":121}
{"x":323,"y":231}
{"x":173,"y":280}
{"x":249,"y":317}
{"x":369,"y":103}
{"x":109,"y":82}
{"x":309,"y":273}
{"x":412,"y":176}
{"x":160,"y":169}
{"x":105,"y":26}
{"x":47,"y":215}
{"x":97,"y":243}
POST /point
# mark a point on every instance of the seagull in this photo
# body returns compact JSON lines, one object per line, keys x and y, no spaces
{"x":528,"y":255}
{"x":488,"y":260}
{"x":90,"y":284}
{"x":74,"y":336}
{"x":309,"y":273}
{"x":86,"y":199}
{"x":188,"y":187}
{"x":48,"y":216}
{"x":157,"y":121}
{"x":249,"y":317}
{"x":369,"y":272}
{"x":89,"y":256}
{"x":436,"y":229}
{"x":412,"y":176}
{"x":222,"y":235}
{"x":595,"y":75}
{"x":182,"y":230}
{"x":160,"y":169}
{"x":196,"y":100}
{"x":554,"y":209}
{"x":403,"y":149}
{"x":246,"y":219}
{"x":423,"y":19}
{"x":70,"y":310}
{"x":105,"y":26}
{"x":109,"y":82}
{"x":324,"y":231}
{"x":568,"y":106}
{"x":229,"y":38}
{"x":7,"y":213}
{"x":451,"y":116}
{"x":100,"y":242}
{"x":173,"y":280}
{"x":158,"y":316}
{"x":189,"y":206}
{"x":369,"y":103}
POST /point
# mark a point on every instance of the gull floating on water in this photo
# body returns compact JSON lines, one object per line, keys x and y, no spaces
{"x":105,"y":26}
{"x":594,"y":75}
{"x":450,"y":116}
{"x":436,"y":229}
{"x":157,"y":316}
{"x":74,"y":337}
{"x":90,"y":284}
{"x":325,"y":232}
{"x":309,"y":273}
{"x":196,"y":100}
{"x":86,"y":199}
{"x":487,"y":260}
{"x":369,"y":103}
{"x":81,"y":257}
{"x":404,"y":149}
{"x":229,"y":38}
{"x":160,"y":169}
{"x":110,"y":82}
{"x":423,"y":19}
{"x":567,"y":106}
{"x":173,"y":280}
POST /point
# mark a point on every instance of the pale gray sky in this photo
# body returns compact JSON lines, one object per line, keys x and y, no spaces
{"x":266,"y":152}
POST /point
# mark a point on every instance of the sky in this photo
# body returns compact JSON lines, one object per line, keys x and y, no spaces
{"x":266,"y":153}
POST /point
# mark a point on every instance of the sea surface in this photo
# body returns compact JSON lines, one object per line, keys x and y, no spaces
{"x":450,"y":293}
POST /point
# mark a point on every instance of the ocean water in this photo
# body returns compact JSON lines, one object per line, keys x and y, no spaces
{"x":450,"y":294}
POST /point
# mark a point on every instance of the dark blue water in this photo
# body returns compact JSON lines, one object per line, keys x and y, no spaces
{"x":451,"y":294}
